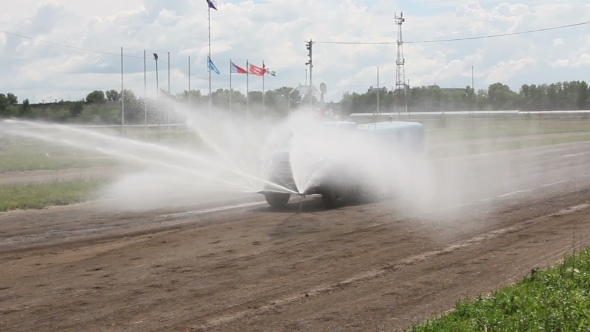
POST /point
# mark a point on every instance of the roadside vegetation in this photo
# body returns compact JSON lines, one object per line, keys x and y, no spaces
{"x":466,"y":148}
{"x":41,"y":195}
{"x":557,"y":299}
{"x":103,"y":107}
{"x":20,"y":158}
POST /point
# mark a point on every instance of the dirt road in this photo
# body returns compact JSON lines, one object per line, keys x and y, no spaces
{"x":227,"y":266}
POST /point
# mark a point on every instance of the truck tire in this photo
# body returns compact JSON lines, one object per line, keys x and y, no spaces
{"x":277,"y":200}
{"x":336,"y":196}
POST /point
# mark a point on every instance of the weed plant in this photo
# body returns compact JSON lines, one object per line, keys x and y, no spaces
{"x":557,"y":299}
{"x":41,"y":195}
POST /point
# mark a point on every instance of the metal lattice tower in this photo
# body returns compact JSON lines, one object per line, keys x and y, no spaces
{"x":400,"y":74}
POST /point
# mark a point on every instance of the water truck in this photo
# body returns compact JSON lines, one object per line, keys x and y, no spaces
{"x":335,"y":176}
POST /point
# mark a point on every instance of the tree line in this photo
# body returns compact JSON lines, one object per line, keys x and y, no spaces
{"x":104,"y":107}
{"x":573,"y":95}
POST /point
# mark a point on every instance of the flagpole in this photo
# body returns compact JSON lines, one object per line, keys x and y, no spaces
{"x":263,"y":74}
{"x":122,"y":98}
{"x":144,"y":89}
{"x":189,"y":82}
{"x":247,"y":88}
{"x":230,"y":89}
{"x":208,"y":66}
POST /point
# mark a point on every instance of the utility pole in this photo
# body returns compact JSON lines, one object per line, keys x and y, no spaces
{"x":168,"y":102}
{"x":400,"y":74}
{"x":378,"y":91}
{"x":168,"y":72}
{"x":406,"y":95}
{"x":472,"y":83}
{"x":309,"y":46}
{"x":144,"y":89}
{"x":189,"y":82}
{"x":122,"y":97}
{"x":472,"y":87}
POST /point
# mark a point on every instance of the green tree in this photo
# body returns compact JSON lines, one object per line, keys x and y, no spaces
{"x":500,"y":96}
{"x":583,"y":96}
{"x":12,"y":111}
{"x":76,"y":108}
{"x":3,"y":103}
{"x":12,"y":99}
{"x":26,"y":109}
{"x":113,"y":95}
{"x":96,"y":96}
{"x":134,"y":110}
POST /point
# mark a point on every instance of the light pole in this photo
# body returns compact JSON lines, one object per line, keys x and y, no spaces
{"x":157,"y":88}
{"x":309,"y":46}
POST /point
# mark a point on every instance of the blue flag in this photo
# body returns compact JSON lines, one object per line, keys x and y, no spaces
{"x":212,"y":65}
{"x":212,"y":4}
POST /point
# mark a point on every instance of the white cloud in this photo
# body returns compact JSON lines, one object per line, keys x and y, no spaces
{"x":561,"y":63}
{"x":505,"y":70}
{"x":275,"y":31}
{"x":584,"y":60}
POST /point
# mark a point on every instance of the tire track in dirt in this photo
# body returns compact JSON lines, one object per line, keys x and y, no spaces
{"x":392,"y":266}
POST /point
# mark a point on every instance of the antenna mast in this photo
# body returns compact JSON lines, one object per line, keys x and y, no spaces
{"x":400,"y":74}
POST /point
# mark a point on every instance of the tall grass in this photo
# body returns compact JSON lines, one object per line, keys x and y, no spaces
{"x":41,"y":195}
{"x":557,"y":299}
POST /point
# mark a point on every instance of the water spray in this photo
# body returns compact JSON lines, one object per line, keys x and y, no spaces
{"x":158,"y":148}
{"x":302,"y":198}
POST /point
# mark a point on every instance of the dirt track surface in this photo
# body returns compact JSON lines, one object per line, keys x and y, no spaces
{"x":227,"y":266}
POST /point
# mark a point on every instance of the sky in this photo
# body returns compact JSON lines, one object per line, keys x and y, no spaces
{"x":92,"y":34}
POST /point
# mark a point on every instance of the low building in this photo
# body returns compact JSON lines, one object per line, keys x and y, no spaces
{"x":373,"y":89}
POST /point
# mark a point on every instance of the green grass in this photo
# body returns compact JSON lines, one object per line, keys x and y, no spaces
{"x":482,"y":129}
{"x":19,"y":158}
{"x":557,"y":299}
{"x":476,"y":148}
{"x":33,"y":155}
{"x":21,"y":162}
{"x":41,"y":195}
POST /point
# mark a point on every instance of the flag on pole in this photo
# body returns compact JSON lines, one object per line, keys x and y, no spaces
{"x":212,"y":65}
{"x":268,"y":71}
{"x":212,"y":4}
{"x":258,"y":71}
{"x":234,"y":69}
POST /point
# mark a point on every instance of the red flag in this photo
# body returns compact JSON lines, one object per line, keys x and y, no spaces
{"x":237,"y":69}
{"x":258,"y":71}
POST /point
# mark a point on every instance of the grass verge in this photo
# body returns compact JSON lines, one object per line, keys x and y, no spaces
{"x":557,"y":299}
{"x":41,"y":195}
{"x":20,"y":158}
{"x":22,"y":163}
{"x":478,"y":148}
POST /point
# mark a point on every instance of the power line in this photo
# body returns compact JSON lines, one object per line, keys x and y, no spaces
{"x":69,"y":46}
{"x":455,"y":39}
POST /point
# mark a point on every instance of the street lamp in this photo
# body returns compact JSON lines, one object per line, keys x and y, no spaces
{"x":157,"y":89}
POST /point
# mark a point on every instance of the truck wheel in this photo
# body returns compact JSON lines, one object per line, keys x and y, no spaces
{"x":336,"y":196}
{"x":277,"y":200}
